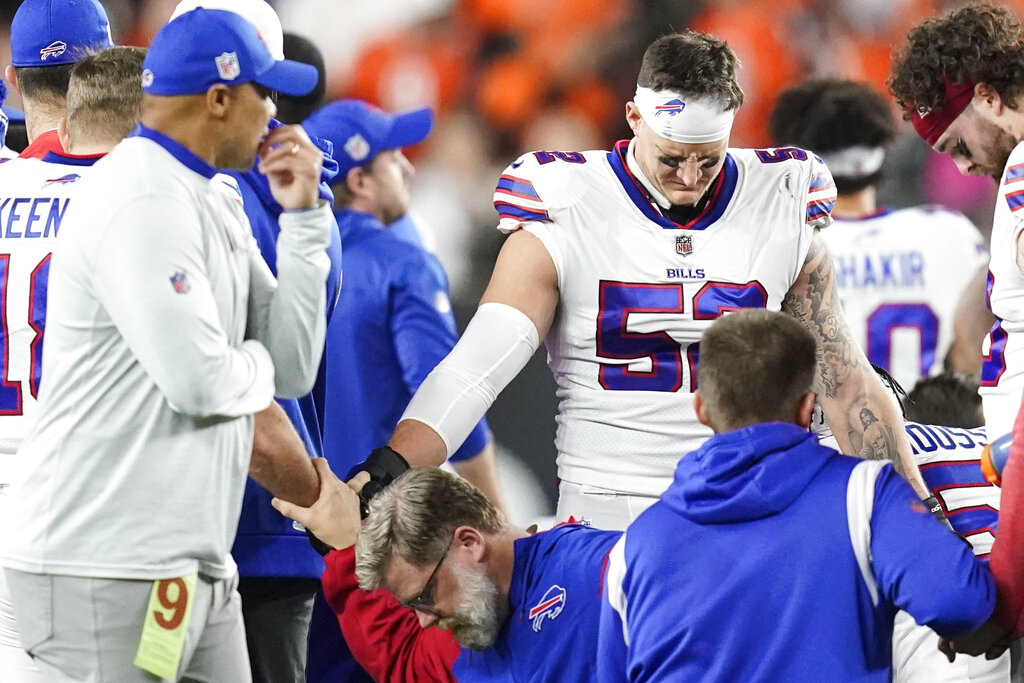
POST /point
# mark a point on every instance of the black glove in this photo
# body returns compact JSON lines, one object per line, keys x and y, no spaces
{"x":934,"y":507}
{"x":384,"y":465}
{"x":317,"y":544}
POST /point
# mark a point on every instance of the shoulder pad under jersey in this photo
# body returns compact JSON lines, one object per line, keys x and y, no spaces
{"x":811,"y":178}
{"x":537,"y":184}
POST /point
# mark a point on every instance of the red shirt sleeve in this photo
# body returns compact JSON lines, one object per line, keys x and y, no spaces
{"x":1007,"y":558}
{"x":385,"y":638}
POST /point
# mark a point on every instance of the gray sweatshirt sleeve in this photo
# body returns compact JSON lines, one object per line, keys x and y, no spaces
{"x":289,"y":315}
{"x":150,"y":276}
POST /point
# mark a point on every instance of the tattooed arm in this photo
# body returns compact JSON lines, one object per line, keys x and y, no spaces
{"x":863,"y":417}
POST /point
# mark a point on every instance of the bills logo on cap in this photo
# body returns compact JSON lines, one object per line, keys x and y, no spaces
{"x":180,"y":282}
{"x":684,"y":245}
{"x":671,"y":108}
{"x":147,"y":78}
{"x":227,"y":66}
{"x":550,"y":606}
{"x":357,"y":147}
{"x":54,"y":49}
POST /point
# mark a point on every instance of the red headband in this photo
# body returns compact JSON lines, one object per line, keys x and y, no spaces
{"x":930,"y":124}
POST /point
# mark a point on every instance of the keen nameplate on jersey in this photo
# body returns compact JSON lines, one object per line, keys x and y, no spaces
{"x":34,"y":196}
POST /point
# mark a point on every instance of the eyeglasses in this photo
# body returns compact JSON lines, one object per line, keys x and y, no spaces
{"x":424,"y":602}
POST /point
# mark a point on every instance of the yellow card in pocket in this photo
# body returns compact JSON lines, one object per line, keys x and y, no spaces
{"x":163,"y":632}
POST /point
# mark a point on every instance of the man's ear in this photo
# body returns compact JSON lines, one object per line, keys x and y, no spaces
{"x":804,"y":410}
{"x":701,"y":409}
{"x":990,"y":99}
{"x":218,"y":101}
{"x":470,"y":542}
{"x":633,"y":117}
{"x":12,"y":77}
{"x":62,"y":133}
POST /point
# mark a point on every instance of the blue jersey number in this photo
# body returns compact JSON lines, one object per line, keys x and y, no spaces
{"x":619,"y":300}
{"x":569,"y":157}
{"x":888,"y":317}
{"x":774,"y":156}
{"x":10,"y":392}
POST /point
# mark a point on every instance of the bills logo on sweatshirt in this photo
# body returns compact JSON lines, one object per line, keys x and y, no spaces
{"x":550,"y":606}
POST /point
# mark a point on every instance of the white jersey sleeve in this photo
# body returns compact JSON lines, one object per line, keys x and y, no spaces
{"x":821,"y":188}
{"x":1002,"y":372}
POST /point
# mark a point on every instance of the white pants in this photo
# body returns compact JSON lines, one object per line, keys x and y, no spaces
{"x":87,"y":630}
{"x":916,"y":658}
{"x":598,"y":507}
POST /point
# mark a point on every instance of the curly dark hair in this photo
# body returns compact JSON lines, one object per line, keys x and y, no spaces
{"x":693,"y":64}
{"x":949,"y":399}
{"x":979,"y":43}
{"x":826,"y":115}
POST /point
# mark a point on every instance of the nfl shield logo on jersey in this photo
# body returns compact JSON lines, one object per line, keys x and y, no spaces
{"x":550,"y":606}
{"x":684,"y":245}
{"x":180,"y":282}
{"x":227,"y":66}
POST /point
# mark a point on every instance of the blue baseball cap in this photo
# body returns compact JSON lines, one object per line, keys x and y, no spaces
{"x":359,"y":131}
{"x":52,"y":32}
{"x":203,"y":48}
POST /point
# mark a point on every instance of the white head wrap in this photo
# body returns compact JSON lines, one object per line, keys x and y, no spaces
{"x":687,"y":120}
{"x":854,"y":162}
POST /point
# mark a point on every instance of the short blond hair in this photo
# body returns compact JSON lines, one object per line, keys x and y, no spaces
{"x":104,"y":102}
{"x":415,"y":516}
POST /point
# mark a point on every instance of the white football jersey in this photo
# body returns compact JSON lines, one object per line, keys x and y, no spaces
{"x":1002,"y":372}
{"x":950,"y":462}
{"x":637,"y":292}
{"x":34,"y":195}
{"x":901,"y":274}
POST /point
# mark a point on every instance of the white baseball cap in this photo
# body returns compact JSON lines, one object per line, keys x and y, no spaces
{"x":257,"y":12}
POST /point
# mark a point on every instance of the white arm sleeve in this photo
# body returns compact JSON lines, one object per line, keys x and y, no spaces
{"x":289,"y":315}
{"x":497,"y":344}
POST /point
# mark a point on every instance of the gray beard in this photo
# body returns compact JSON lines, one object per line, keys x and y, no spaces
{"x":480,"y":614}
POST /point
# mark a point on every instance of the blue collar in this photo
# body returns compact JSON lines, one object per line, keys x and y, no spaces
{"x":721,"y":191}
{"x":72,"y":160}
{"x":177,"y":150}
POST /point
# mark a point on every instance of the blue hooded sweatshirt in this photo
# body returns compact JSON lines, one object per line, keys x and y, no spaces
{"x":744,"y":570}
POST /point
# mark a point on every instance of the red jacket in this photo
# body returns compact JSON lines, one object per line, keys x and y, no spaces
{"x":385,"y":638}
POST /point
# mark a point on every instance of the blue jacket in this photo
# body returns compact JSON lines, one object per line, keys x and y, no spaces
{"x":555,"y":606}
{"x":744,"y":570}
{"x":393,"y":324}
{"x":267,"y":543}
